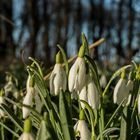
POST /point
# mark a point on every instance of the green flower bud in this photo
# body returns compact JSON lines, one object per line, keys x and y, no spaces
{"x":123,"y":75}
{"x":81,"y":51}
{"x":82,"y":115}
{"x":58,"y":58}
{"x":27,"y":125}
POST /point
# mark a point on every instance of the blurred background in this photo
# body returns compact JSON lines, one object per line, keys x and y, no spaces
{"x":37,"y":26}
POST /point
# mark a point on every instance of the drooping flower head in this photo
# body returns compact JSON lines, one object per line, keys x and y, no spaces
{"x":28,"y":100}
{"x":81,"y":128}
{"x":122,"y":91}
{"x":77,"y":73}
{"x":58,"y":78}
{"x":26,"y":135}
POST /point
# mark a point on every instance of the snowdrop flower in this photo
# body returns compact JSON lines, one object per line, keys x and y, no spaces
{"x":122,"y":91}
{"x":82,"y":127}
{"x":103,"y":81}
{"x":139,"y":104}
{"x":77,"y":73}
{"x":26,"y":135}
{"x":93,"y":95}
{"x":58,"y":78}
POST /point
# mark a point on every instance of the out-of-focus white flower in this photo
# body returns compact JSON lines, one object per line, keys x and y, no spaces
{"x":9,"y":87}
{"x":58,"y":79}
{"x":139,"y":104}
{"x":26,"y":136}
{"x":103,"y":81}
{"x":93,"y":95}
{"x":2,"y":113}
{"x":28,"y":100}
{"x":82,"y":128}
{"x":77,"y":75}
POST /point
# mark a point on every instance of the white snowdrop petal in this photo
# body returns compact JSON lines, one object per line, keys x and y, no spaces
{"x":28,"y":100}
{"x":83,"y":129}
{"x":57,"y":79}
{"x":72,"y":76}
{"x":103,"y":81}
{"x":120,"y":91}
{"x":26,"y":136}
{"x":2,"y":100}
{"x":93,"y":95}
{"x":83,"y":96}
{"x":81,"y":73}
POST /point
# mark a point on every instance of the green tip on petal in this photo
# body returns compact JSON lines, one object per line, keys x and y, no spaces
{"x":81,"y":51}
{"x":32,"y":81}
{"x":123,"y":75}
{"x":82,"y":115}
{"x":58,"y":57}
{"x":27,"y":125}
{"x":1,"y":92}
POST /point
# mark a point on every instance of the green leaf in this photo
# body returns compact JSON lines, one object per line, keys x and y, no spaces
{"x":125,"y":130}
{"x":119,"y":108}
{"x":37,"y":65}
{"x":43,"y":132}
{"x":93,"y":118}
{"x":13,"y":118}
{"x":10,"y":130}
{"x":66,"y":119}
{"x":107,"y":132}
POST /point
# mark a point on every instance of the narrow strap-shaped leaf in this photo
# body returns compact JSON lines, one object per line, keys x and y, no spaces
{"x":107,"y":132}
{"x":66,"y":119}
{"x":125,"y":131}
{"x":10,"y":130}
{"x":119,"y":108}
{"x":92,"y":118}
{"x":13,"y":118}
{"x":38,"y":66}
{"x":43,"y":132}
